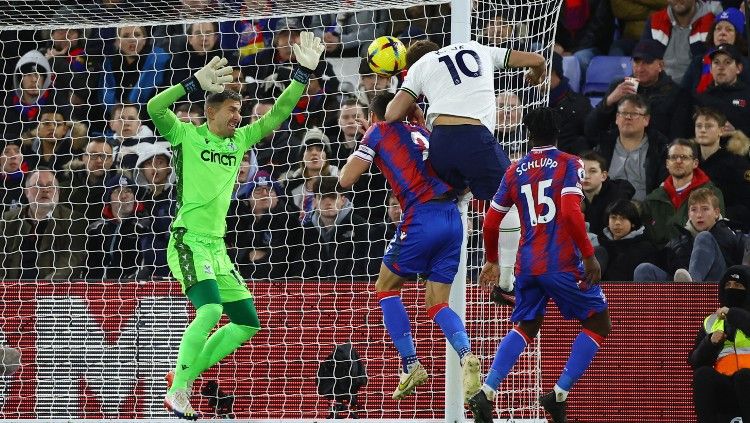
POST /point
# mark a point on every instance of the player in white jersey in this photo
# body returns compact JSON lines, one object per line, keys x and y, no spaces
{"x":458,"y":82}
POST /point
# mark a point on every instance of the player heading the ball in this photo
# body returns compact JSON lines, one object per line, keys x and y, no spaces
{"x":427,"y":241}
{"x":458,"y":82}
{"x":207,"y":160}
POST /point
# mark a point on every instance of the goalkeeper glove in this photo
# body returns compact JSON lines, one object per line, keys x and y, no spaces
{"x":211,"y":77}
{"x":308,"y":53}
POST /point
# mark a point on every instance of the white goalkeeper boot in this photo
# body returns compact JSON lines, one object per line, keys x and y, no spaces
{"x":169,"y":377}
{"x":471,"y":374}
{"x":408,"y":381}
{"x":178,"y":402}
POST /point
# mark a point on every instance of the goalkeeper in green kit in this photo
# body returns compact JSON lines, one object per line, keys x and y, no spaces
{"x":207,"y":159}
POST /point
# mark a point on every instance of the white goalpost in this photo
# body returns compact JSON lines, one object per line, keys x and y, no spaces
{"x":87,"y":299}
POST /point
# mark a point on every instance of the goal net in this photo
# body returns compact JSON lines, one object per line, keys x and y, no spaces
{"x":89,"y":193}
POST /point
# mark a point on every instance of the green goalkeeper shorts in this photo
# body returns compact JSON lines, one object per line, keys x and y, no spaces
{"x":193,"y":258}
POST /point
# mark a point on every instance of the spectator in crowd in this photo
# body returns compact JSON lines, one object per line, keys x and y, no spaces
{"x":86,"y":178}
{"x":12,"y":170}
{"x":572,"y":108}
{"x":248,"y":169}
{"x":202,"y":46}
{"x":156,"y":180}
{"x":246,"y":36}
{"x":346,"y":33}
{"x":600,"y":191}
{"x":508,"y":128}
{"x":67,"y":55}
{"x":635,"y":152}
{"x":301,"y":183}
{"x":667,"y":101}
{"x":622,"y":243}
{"x":665,"y":209}
{"x":383,"y":232}
{"x":190,"y":112}
{"x":702,"y":249}
{"x":125,"y":132}
{"x":682,"y":27}
{"x":370,"y":83}
{"x":631,"y":18}
{"x":51,"y":147}
{"x":336,"y":239}
{"x":275,"y":150}
{"x":32,"y":89}
{"x":112,"y":242}
{"x":720,"y":359}
{"x":412,"y":34}
{"x":349,"y":130}
{"x":263,"y":232}
{"x":594,"y":39}
{"x":727,"y":93}
{"x":728,"y":28}
{"x":43,"y":239}
{"x":729,"y":172}
{"x":134,"y":75}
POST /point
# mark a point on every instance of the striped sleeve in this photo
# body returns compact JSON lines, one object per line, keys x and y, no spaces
{"x":365,"y":153}
{"x":574,"y":174}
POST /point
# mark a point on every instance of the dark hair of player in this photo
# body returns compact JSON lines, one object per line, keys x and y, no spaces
{"x":419,"y":49}
{"x":379,"y":103}
{"x":543,"y":125}
{"x":217,"y":99}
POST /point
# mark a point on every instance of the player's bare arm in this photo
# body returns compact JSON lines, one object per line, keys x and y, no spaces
{"x":400,"y":107}
{"x":534,"y":61}
{"x":352,"y":170}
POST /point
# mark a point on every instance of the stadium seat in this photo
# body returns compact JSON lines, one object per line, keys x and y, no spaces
{"x":603,"y":70}
{"x":572,"y":71}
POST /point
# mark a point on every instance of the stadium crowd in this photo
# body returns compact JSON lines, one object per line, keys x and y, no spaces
{"x":88,"y":186}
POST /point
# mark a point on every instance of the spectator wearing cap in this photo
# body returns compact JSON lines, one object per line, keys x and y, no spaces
{"x":52,"y":146}
{"x":682,"y":28}
{"x":85,"y":180}
{"x":42,"y":239}
{"x":300,"y":182}
{"x":572,"y":108}
{"x":32,"y":89}
{"x":336,"y":240}
{"x":12,"y":170}
{"x":728,"y":28}
{"x":263,"y":231}
{"x":155,"y":178}
{"x":727,"y":93}
{"x":346,"y":34}
{"x":669,"y":103}
{"x":112,"y":241}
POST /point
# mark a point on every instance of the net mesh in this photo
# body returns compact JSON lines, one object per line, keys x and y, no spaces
{"x":95,"y":343}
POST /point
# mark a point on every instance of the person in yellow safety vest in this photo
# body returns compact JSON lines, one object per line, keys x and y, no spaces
{"x":721,"y":356}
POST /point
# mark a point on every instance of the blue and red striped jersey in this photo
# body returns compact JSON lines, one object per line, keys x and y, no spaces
{"x":535,"y":184}
{"x":400,"y":151}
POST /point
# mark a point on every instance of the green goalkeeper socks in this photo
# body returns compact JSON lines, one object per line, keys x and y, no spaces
{"x":193,"y":342}
{"x":222,"y":343}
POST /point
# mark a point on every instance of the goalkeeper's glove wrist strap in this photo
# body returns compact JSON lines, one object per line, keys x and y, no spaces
{"x":302,"y":74}
{"x":191,"y":85}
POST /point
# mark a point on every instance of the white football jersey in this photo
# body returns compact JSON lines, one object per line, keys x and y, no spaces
{"x":458,"y":80}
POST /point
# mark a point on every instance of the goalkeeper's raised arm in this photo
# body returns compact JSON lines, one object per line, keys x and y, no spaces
{"x":207,"y":159}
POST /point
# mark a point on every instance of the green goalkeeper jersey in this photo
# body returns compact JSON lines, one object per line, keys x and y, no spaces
{"x":206,"y":164}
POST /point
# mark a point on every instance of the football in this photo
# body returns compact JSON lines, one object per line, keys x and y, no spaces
{"x":386,"y":55}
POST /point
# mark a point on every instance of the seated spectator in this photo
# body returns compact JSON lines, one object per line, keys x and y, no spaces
{"x":85,"y":188}
{"x":508,"y":128}
{"x":263,"y":230}
{"x":635,"y":152}
{"x":51,"y":147}
{"x":67,"y":56}
{"x":245,"y":36}
{"x":274,"y":151}
{"x":202,"y":46}
{"x":720,"y":359}
{"x":370,"y":83}
{"x":32,"y":89}
{"x":702,"y":249}
{"x":301,"y":182}
{"x":682,"y":27}
{"x":665,"y":209}
{"x":133,"y":75}
{"x":248,"y":169}
{"x":594,"y":39}
{"x":190,"y":112}
{"x":622,"y":243}
{"x":729,"y":172}
{"x":600,"y":192}
{"x":727,"y":93}
{"x":348,"y":132}
{"x":156,"y":180}
{"x":112,"y":241}
{"x":630,"y":18}
{"x":335,"y":239}
{"x":728,"y":28}
{"x":572,"y":108}
{"x":43,"y":239}
{"x":668,"y":102}
{"x":345,"y":34}
{"x":12,"y":170}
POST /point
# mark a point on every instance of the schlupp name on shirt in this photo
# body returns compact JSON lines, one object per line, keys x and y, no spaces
{"x":536,"y":164}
